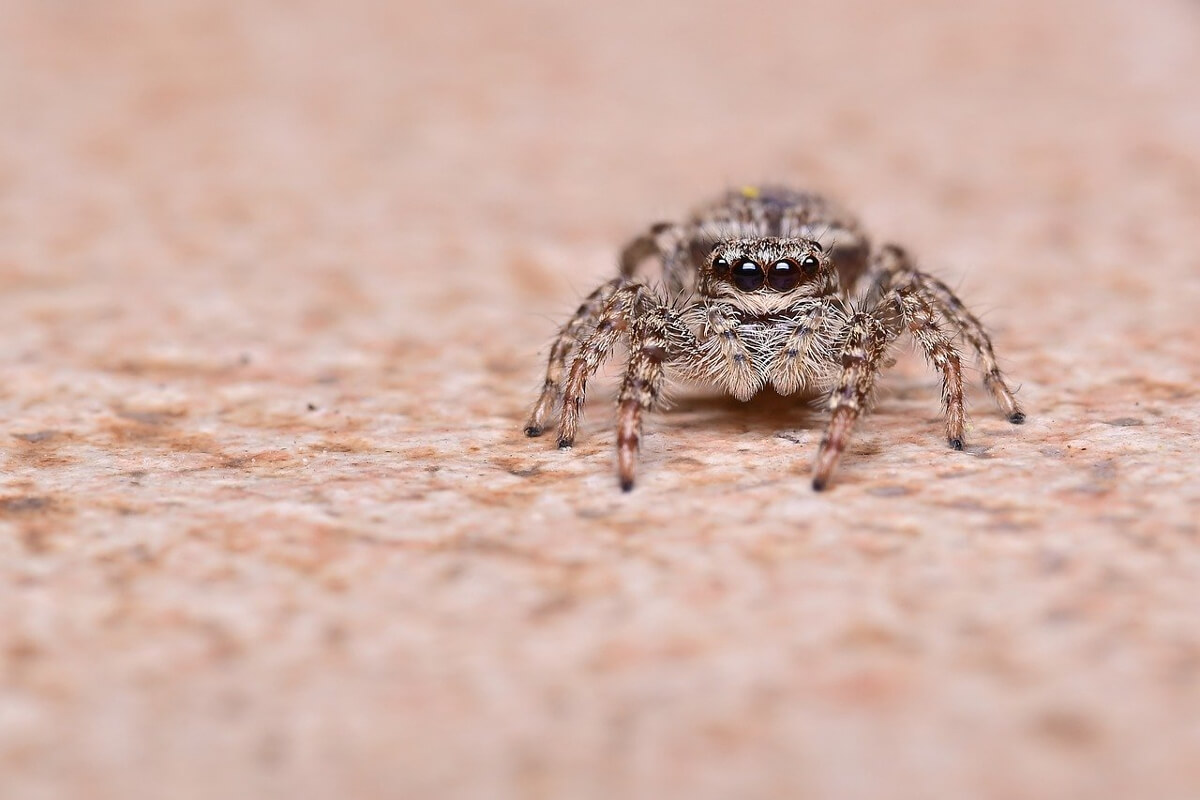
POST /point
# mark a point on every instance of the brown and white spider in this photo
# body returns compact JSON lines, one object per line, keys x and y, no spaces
{"x":766,"y":285}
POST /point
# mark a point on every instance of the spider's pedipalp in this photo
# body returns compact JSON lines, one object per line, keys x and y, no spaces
{"x":803,"y":360}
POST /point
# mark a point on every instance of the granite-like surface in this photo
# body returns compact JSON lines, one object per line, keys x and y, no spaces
{"x":276,"y":281}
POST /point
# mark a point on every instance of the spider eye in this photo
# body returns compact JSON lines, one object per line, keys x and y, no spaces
{"x":720,"y":267}
{"x":784,"y":275}
{"x":811,"y":263}
{"x":747,"y":275}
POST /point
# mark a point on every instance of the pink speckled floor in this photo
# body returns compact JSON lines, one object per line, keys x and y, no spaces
{"x":275,"y":285}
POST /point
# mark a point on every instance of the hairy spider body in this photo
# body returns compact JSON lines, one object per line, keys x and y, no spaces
{"x":766,"y":286}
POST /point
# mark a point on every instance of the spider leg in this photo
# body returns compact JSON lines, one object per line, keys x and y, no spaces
{"x":663,"y":241}
{"x":564,"y":344}
{"x":641,"y":389}
{"x":850,"y":252}
{"x":869,"y":334}
{"x":866,"y":343}
{"x":919,"y":317}
{"x":892,"y":267}
{"x":613,"y":322}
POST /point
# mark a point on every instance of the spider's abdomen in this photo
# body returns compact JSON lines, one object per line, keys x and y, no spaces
{"x":758,"y":211}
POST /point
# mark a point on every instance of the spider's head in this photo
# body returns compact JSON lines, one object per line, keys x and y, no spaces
{"x":767,"y":273}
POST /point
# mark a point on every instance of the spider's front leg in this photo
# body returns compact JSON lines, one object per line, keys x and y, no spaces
{"x":862,"y":355}
{"x":656,"y":335}
{"x":869,"y":334}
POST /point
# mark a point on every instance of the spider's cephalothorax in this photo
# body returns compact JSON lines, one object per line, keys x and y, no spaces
{"x":766,"y":286}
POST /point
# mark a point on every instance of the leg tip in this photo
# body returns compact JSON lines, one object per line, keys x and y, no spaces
{"x":1017,"y":418}
{"x":819,"y":484}
{"x":533,"y":430}
{"x":626,"y":484}
{"x":956,"y":443}
{"x":565,"y":444}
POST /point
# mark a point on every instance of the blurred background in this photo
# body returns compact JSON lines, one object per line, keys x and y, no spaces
{"x":276,"y":280}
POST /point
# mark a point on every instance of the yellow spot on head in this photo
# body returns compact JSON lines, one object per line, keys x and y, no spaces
{"x":750,"y":192}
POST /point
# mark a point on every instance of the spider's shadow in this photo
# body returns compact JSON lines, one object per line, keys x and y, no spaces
{"x":767,"y":411}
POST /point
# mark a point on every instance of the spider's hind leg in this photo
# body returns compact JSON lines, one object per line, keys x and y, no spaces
{"x":618,"y":317}
{"x":917,"y":315}
{"x":564,"y":345}
{"x":892,"y":268}
{"x":664,"y":241}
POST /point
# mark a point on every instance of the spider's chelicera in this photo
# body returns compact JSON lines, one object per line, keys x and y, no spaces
{"x":765,"y":286}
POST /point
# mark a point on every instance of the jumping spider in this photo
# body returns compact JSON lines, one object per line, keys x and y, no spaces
{"x":764,"y":286}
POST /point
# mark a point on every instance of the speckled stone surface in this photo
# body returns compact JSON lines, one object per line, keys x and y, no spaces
{"x":276,"y":283}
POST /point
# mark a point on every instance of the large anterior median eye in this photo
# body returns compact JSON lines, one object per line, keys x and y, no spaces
{"x":747,"y":275}
{"x":784,"y":275}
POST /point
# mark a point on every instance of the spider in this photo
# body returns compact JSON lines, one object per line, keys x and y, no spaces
{"x":764,"y":286}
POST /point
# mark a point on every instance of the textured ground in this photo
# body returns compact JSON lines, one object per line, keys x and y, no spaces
{"x":275,"y":285}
